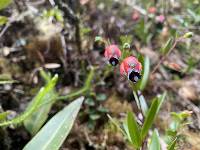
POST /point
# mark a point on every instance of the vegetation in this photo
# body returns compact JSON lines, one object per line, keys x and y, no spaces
{"x":104,"y":74}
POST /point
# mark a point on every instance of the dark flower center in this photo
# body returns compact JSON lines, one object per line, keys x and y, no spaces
{"x":113,"y":61}
{"x":134,"y":76}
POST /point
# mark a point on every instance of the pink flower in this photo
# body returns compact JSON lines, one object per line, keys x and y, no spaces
{"x":160,"y":19}
{"x":131,"y":68}
{"x":112,"y":53}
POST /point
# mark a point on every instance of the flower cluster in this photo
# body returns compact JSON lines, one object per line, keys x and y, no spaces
{"x":129,"y":67}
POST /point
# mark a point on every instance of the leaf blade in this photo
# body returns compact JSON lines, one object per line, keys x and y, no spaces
{"x":155,"y":143}
{"x":149,"y":118}
{"x":145,"y":73}
{"x":61,"y":124}
{"x":153,"y":110}
{"x":133,"y":129}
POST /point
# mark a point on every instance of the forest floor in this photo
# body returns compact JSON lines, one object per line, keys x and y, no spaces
{"x":29,"y":42}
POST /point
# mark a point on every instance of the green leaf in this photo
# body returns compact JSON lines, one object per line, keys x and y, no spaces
{"x":53,"y":134}
{"x":35,"y":121}
{"x":8,"y":82}
{"x":161,"y":99}
{"x":172,"y":145}
{"x":58,"y":15}
{"x":4,"y":3}
{"x":36,"y":101}
{"x":164,"y":50}
{"x":3,"y":20}
{"x":94,"y":116}
{"x":38,"y":118}
{"x":125,"y":127}
{"x":149,"y":118}
{"x":4,"y":115}
{"x":126,"y":39}
{"x":116,"y":124}
{"x":89,"y":102}
{"x":145,"y":72}
{"x":155,"y":143}
{"x":101,"y":97}
{"x":153,"y":110}
{"x":133,"y":130}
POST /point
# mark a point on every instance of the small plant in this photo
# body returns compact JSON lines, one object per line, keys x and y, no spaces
{"x":136,"y":130}
{"x":136,"y":69}
{"x":36,"y":114}
{"x":175,"y":131}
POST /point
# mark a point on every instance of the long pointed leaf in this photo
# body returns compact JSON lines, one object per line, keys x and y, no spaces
{"x":38,"y":118}
{"x":149,"y":118}
{"x":134,"y":130}
{"x":172,"y":145}
{"x":153,"y":110}
{"x":155,"y":143}
{"x":145,"y":72}
{"x":53,"y":134}
{"x":35,"y":121}
{"x":33,"y":107}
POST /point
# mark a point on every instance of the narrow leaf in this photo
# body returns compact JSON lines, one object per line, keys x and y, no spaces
{"x":116,"y":124}
{"x":33,"y":107}
{"x":161,"y":100}
{"x":153,"y":110}
{"x":134,"y":130}
{"x":164,"y":50}
{"x":145,"y":72}
{"x":53,"y":134}
{"x":8,"y":82}
{"x":38,"y":118}
{"x":149,"y":118}
{"x":155,"y":143}
{"x":172,"y":145}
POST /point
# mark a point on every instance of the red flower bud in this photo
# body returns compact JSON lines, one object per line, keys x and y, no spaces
{"x":131,"y":68}
{"x":135,"y":16}
{"x":152,"y":10}
{"x":112,"y":53}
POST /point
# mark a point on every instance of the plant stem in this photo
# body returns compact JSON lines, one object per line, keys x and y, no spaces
{"x":165,"y":56}
{"x":76,"y":93}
